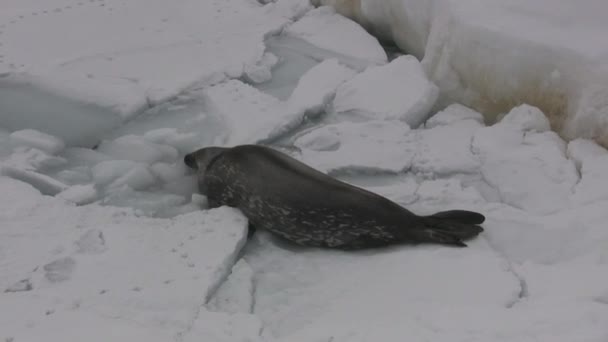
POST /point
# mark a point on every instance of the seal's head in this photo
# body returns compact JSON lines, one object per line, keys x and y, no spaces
{"x":200,"y":159}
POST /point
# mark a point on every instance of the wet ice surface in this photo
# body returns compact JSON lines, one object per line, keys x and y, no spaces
{"x":120,"y":249}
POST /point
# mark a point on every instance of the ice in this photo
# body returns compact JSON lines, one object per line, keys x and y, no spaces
{"x":33,"y":159}
{"x":95,"y":83}
{"x":494,"y":56}
{"x":316,"y":87}
{"x":446,"y":150}
{"x":326,"y":29}
{"x":526,"y":167}
{"x":581,"y":150}
{"x":224,"y":327}
{"x":117,"y":173}
{"x":104,"y":236}
{"x":238,"y":103}
{"x":147,"y":202}
{"x":337,"y":147}
{"x":235,"y":295}
{"x":398,"y":90}
{"x":137,"y":149}
{"x":118,"y":276}
{"x":261,"y":71}
{"x":593,"y":173}
{"x":451,"y":114}
{"x":323,"y":294}
{"x":79,"y":194}
{"x":36,"y":139}
{"x":527,"y":118}
{"x":250,"y":114}
{"x":45,"y":184}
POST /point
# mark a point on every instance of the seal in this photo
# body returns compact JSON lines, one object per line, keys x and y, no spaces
{"x":303,"y":205}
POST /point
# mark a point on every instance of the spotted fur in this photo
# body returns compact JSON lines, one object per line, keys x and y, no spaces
{"x":286,"y":197}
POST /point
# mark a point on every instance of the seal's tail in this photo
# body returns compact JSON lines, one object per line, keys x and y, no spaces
{"x":451,"y":227}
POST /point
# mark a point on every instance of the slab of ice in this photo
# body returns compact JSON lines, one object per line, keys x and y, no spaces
{"x":445,"y":194}
{"x":451,"y":114}
{"x":235,"y":295}
{"x":373,"y":146}
{"x":225,"y":327}
{"x":494,"y":55}
{"x":79,"y":194}
{"x":526,"y":168}
{"x":316,"y":87}
{"x":593,"y":175}
{"x":311,"y":295}
{"x":137,"y":149}
{"x":117,"y":277}
{"x":399,"y":90}
{"x":36,"y":139}
{"x":117,"y":173}
{"x":94,"y":83}
{"x":45,"y":184}
{"x":250,"y":115}
{"x":27,"y":158}
{"x":326,"y":29}
{"x":580,"y":150}
{"x":446,"y":150}
{"x":527,"y":118}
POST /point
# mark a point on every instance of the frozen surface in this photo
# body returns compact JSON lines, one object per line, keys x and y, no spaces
{"x":338,"y":147}
{"x":494,"y":55}
{"x":326,"y":29}
{"x":98,"y":82}
{"x":111,"y":242}
{"x":398,"y":90}
{"x":251,"y":115}
{"x":113,"y":273}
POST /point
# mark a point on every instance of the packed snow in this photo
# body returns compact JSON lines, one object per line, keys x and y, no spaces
{"x":103,"y":235}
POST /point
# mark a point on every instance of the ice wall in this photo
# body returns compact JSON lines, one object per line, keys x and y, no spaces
{"x":494,"y":54}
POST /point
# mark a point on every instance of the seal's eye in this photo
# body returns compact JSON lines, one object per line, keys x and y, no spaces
{"x":190,"y":161}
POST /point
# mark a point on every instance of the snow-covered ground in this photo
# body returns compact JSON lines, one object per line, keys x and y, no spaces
{"x":103,"y":237}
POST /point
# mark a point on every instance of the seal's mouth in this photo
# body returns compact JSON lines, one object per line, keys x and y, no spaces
{"x":190,"y":161}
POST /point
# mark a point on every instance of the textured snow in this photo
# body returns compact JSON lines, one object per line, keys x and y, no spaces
{"x":112,"y":242}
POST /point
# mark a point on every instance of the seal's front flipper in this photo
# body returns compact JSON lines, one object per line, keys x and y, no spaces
{"x":461,"y":216}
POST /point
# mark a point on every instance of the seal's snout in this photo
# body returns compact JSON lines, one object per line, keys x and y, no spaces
{"x":190,"y":161}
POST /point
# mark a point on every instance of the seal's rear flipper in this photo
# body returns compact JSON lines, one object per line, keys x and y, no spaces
{"x":446,"y":231}
{"x":462,"y":216}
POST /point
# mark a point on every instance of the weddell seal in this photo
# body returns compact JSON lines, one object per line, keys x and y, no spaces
{"x":288,"y":198}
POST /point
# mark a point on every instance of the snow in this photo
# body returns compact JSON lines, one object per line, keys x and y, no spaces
{"x":494,"y":55}
{"x":103,"y":235}
{"x":398,"y":90}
